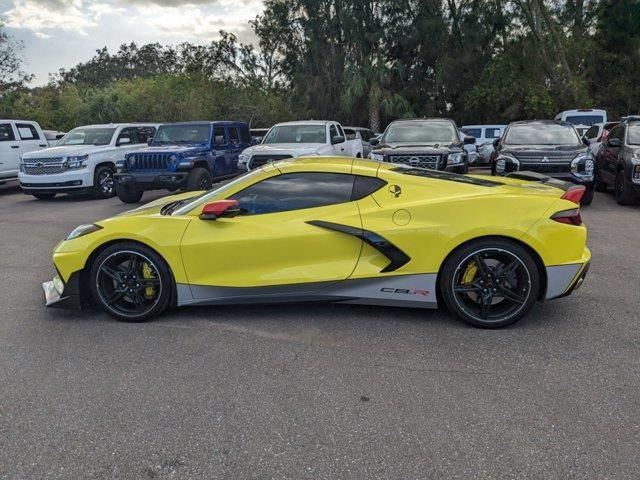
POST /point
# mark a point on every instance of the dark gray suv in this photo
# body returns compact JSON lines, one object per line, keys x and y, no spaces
{"x":618,"y":162}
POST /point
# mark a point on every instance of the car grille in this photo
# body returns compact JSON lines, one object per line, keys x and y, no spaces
{"x":258,"y":161}
{"x":150,"y":162}
{"x":546,"y":167}
{"x":43,"y":166}
{"x":531,"y":157}
{"x":432,"y":162}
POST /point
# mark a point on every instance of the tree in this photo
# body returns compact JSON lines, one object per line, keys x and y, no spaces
{"x":11,"y":75}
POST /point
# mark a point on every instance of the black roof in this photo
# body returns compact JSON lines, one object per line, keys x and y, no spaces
{"x":207,"y":122}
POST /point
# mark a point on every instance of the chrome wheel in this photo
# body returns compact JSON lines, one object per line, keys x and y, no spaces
{"x":106,"y":182}
{"x":491,"y":285}
{"x":129,"y":284}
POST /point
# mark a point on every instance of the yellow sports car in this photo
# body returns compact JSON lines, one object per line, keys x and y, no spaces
{"x":335,"y":229}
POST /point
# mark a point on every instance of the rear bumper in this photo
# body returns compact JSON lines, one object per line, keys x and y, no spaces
{"x":152,"y":181}
{"x":58,"y":294}
{"x":563,"y":280}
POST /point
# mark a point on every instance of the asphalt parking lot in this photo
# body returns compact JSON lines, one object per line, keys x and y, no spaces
{"x":316,"y":391}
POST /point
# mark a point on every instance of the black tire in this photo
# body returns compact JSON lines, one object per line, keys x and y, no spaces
{"x":504,"y":271}
{"x":587,"y":198}
{"x":131,"y":282}
{"x":199,"y":179}
{"x":624,"y":190}
{"x":44,"y":196}
{"x":104,"y":185}
{"x":128,"y":194}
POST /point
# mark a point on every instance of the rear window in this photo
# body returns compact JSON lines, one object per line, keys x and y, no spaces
{"x":634,"y":134}
{"x":440,"y":175}
{"x":584,"y":119}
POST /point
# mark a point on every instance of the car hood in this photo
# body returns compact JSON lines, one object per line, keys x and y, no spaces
{"x":154,"y":207}
{"x":545,"y":148}
{"x":284,"y":148}
{"x":68,"y":150}
{"x":420,"y":148}
{"x":176,"y":149}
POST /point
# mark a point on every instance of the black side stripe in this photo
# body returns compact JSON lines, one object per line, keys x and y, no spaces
{"x":397,"y":258}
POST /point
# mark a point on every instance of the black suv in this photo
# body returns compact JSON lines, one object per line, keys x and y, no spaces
{"x":549,"y":147}
{"x":432,"y":143}
{"x":618,"y":162}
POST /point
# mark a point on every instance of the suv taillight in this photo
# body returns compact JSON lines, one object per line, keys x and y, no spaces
{"x":570,"y":217}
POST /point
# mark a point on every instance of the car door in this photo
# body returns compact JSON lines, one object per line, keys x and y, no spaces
{"x":272,"y":242}
{"x":9,"y":151}
{"x":608,"y":159}
{"x":222,"y":151}
{"x":339,"y":149}
{"x":30,"y":140}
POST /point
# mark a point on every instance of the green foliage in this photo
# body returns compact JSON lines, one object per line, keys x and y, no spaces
{"x":361,"y":62}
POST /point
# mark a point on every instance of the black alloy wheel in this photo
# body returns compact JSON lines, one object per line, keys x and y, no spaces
{"x":624,"y":190}
{"x":490,"y":283}
{"x":199,"y":179}
{"x":131,"y":282}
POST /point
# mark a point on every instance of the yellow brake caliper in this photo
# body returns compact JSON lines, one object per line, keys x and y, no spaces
{"x":147,"y":273}
{"x":469,"y":273}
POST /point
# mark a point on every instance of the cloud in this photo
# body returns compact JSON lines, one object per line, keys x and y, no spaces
{"x":35,"y":16}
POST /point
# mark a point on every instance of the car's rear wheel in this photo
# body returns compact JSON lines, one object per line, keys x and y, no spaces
{"x":624,"y":190}
{"x":131,"y":282}
{"x":199,"y":179}
{"x":490,"y":283}
{"x":44,"y":196}
{"x":128,"y":194}
{"x":103,"y":182}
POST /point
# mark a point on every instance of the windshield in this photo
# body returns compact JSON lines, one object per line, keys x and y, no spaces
{"x":88,"y":136}
{"x":541,"y":134}
{"x":182,"y":134}
{"x":585,"y":119}
{"x":296,"y":134}
{"x":193,"y":202}
{"x":634,"y":135}
{"x":420,"y":132}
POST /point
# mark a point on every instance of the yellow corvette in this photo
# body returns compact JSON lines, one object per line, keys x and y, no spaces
{"x":335,"y":229}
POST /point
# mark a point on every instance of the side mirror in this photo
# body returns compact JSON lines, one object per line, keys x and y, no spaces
{"x":496,"y":142}
{"x":374,"y":141}
{"x":149,"y":141}
{"x":337,"y":139}
{"x":220,"y":209}
{"x":469,"y":140}
{"x":613,"y":142}
{"x":124,"y":141}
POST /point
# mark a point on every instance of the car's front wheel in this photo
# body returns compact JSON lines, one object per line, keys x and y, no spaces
{"x":199,"y":179}
{"x":128,"y":195}
{"x":131,"y":282}
{"x":624,"y":190}
{"x":103,"y":182}
{"x":490,"y":283}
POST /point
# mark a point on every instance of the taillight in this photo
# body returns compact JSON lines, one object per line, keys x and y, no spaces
{"x":570,"y":217}
{"x":574,"y":194}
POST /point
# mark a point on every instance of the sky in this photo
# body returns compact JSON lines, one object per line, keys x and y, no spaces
{"x":62,"y":33}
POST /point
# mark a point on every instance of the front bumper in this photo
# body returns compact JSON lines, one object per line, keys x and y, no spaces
{"x":152,"y":181}
{"x":58,"y":294}
{"x":60,"y":182}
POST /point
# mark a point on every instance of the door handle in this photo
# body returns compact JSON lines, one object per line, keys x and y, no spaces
{"x":15,"y":146}
{"x":41,"y":145}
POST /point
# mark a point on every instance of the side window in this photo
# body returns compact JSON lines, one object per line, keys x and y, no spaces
{"x":145,"y":133}
{"x":6,"y":133}
{"x":218,"y":136}
{"x":332,"y":132}
{"x":295,"y":191}
{"x":365,"y":186}
{"x":617,"y":132}
{"x":492,"y":133}
{"x":233,"y":134}
{"x":127,"y":136}
{"x":340,"y":131}
{"x":592,"y":132}
{"x":27,"y":131}
{"x":244,"y":135}
{"x":473,"y":132}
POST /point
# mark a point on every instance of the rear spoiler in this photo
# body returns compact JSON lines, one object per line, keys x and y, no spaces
{"x":544,"y":179}
{"x":572,"y":192}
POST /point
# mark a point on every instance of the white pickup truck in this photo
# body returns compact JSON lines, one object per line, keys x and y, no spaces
{"x":84,"y":160}
{"x":297,"y":139}
{"x":17,"y":137}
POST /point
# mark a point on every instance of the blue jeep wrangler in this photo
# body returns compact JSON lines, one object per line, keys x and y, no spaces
{"x":187,"y":155}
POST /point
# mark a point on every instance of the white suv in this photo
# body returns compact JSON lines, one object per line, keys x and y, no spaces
{"x":17,"y":137}
{"x":84,"y":160}
{"x":485,"y":136}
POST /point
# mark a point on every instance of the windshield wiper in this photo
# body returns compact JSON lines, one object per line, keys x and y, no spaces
{"x":169,"y":208}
